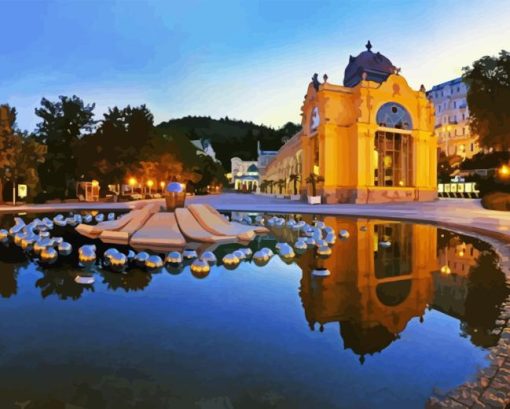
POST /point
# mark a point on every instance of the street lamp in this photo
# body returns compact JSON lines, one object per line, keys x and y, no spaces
{"x":446,"y":269}
{"x":504,"y":171}
{"x":150,"y":183}
{"x":132,"y":183}
{"x":162,"y":185}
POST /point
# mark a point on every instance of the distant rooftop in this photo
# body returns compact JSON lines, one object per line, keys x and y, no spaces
{"x":446,"y":84}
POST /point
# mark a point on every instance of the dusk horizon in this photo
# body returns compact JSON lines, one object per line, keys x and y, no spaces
{"x":178,"y":61}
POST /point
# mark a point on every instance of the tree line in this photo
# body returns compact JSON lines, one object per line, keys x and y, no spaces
{"x":69,"y":146}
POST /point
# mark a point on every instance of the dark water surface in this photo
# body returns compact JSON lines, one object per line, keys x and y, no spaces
{"x":386,"y":329}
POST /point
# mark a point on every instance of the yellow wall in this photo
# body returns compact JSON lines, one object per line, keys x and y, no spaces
{"x":350,"y":292}
{"x":345,"y":137}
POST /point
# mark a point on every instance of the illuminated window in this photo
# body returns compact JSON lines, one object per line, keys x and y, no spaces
{"x":393,"y":159}
{"x":395,"y":260}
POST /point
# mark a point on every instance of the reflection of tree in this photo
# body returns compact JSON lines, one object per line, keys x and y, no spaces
{"x":61,"y":283}
{"x":487,"y":291}
{"x":11,"y":260}
{"x":8,"y":279}
{"x":134,"y":280}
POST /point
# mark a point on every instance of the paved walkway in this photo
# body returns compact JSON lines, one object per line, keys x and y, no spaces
{"x":457,"y":213}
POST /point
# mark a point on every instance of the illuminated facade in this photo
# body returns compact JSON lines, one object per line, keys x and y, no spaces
{"x":371,"y":139}
{"x":452,"y":119}
{"x":245,"y":174}
{"x":373,"y":291}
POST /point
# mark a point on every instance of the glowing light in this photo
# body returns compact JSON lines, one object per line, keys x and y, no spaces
{"x":150,"y":183}
{"x":132,"y":181}
{"x":504,"y":171}
{"x":445,"y":269}
{"x":162,"y":184}
{"x":95,"y":183}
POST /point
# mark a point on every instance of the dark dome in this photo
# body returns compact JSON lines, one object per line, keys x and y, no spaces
{"x":375,"y":65}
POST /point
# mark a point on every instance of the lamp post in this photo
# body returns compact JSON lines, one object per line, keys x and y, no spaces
{"x":132,"y":183}
{"x":162,"y":185}
{"x":95,"y":186}
{"x":150,"y":183}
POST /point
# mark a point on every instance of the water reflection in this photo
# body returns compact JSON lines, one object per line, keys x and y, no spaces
{"x":60,"y":282}
{"x":470,"y":286}
{"x":375,"y":290}
{"x":383,"y":276}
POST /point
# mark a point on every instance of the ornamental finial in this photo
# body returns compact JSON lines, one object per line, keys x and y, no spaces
{"x":368,"y":45}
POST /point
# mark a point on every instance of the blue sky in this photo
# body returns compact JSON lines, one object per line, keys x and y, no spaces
{"x":249,"y":60}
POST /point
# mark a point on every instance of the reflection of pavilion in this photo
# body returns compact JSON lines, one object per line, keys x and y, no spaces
{"x":373,"y":291}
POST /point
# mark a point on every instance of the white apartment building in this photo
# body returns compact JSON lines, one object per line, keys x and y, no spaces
{"x":452,"y":119}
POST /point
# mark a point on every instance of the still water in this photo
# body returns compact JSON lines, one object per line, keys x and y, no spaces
{"x":389,"y":326}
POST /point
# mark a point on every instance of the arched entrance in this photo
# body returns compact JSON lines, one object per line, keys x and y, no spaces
{"x":393,"y":147}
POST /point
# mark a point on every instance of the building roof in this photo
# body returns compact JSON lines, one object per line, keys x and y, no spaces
{"x":253,"y":168}
{"x":455,"y":81}
{"x":198,"y":144}
{"x":376,"y":66}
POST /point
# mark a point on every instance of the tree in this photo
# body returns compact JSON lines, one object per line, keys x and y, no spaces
{"x":295,"y":178}
{"x":116,"y":147}
{"x":20,"y":154}
{"x":313,"y":179}
{"x":446,"y":166}
{"x":270,"y":184}
{"x":7,"y":119}
{"x":63,"y":123}
{"x":488,"y":99}
{"x":281,"y":184}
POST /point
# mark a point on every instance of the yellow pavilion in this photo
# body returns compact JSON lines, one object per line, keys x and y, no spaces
{"x":371,"y":139}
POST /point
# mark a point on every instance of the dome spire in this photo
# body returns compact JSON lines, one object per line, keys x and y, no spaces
{"x":369,"y":46}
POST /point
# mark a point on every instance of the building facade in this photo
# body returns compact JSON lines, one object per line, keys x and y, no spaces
{"x":204,"y":147}
{"x":371,"y":139}
{"x":452,"y":119}
{"x":245,"y":174}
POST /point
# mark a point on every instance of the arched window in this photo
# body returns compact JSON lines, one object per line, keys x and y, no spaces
{"x":393,"y":150}
{"x":393,"y":115}
{"x":393,"y":293}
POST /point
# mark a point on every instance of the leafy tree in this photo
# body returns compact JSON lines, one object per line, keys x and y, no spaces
{"x":115,"y":149}
{"x":489,"y":98}
{"x":63,"y":123}
{"x":230,"y":137}
{"x":446,"y":166}
{"x":210,"y":173}
{"x":7,"y":119}
{"x":20,"y":154}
